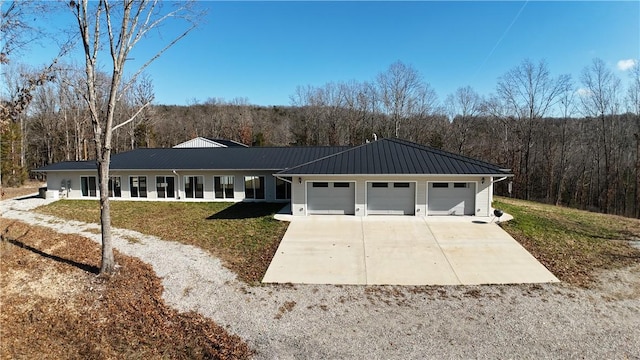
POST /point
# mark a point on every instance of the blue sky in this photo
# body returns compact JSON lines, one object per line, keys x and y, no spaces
{"x":263,"y":50}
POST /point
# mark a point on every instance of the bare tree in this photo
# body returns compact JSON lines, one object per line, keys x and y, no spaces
{"x":127,"y":23}
{"x":17,"y":33}
{"x":633,"y":105}
{"x":402,"y":92}
{"x":599,"y":98}
{"x":462,"y":106}
{"x":567,"y":107}
{"x":529,"y":92}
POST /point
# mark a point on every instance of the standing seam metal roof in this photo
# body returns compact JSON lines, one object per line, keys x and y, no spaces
{"x":385,"y":156}
{"x":395,"y":156}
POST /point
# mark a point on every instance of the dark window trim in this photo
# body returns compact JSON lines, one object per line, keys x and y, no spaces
{"x":140,"y":191}
{"x":461,"y":185}
{"x":341,"y":184}
{"x":86,"y":186}
{"x":379,"y":185}
{"x":257,"y":193}
{"x":283,"y":186}
{"x":316,"y":184}
{"x":223,"y":188}
{"x":402,"y":185}
{"x":197,"y":191}
{"x":115,"y":187}
{"x":440,"y":185}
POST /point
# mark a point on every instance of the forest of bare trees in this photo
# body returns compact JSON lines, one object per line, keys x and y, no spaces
{"x":569,"y":141}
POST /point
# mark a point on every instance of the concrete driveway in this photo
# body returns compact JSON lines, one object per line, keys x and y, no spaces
{"x":401,"y":250}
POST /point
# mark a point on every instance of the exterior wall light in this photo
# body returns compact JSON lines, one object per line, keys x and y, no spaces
{"x":483,"y":180}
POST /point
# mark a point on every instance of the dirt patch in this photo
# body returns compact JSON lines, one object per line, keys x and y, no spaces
{"x":28,"y":188}
{"x":54,"y":305}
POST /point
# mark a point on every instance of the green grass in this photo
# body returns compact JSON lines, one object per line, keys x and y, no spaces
{"x":573,"y":244}
{"x":243,"y":235}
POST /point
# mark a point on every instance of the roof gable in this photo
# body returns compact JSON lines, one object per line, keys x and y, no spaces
{"x":203,"y":142}
{"x":395,"y":156}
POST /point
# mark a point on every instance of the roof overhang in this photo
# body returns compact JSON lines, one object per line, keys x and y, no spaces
{"x":395,"y":175}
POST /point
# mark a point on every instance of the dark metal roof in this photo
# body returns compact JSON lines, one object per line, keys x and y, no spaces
{"x":395,"y":156}
{"x":386,"y":156}
{"x":227,"y":143}
{"x":231,"y":158}
{"x":69,"y":166}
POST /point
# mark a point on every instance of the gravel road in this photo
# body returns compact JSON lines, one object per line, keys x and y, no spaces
{"x":386,"y":322}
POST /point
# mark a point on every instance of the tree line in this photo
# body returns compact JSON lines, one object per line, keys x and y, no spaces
{"x":568,"y":141}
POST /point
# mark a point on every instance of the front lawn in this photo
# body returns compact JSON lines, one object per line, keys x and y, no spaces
{"x":243,"y":235}
{"x":572,"y":244}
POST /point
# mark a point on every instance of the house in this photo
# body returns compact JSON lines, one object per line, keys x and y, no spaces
{"x":388,"y":176}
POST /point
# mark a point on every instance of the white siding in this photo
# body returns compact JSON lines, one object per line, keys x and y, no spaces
{"x":199,"y":142}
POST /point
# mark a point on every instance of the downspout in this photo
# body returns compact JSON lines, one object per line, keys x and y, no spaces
{"x":491,"y":192}
{"x":178,"y":176}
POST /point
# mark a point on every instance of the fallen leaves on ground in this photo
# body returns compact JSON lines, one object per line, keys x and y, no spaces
{"x":54,"y":306}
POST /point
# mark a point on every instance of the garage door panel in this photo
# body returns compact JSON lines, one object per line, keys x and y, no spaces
{"x":394,"y":199}
{"x":336,"y":198}
{"x":451,"y":200}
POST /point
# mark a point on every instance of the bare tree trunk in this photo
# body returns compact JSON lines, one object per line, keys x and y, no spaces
{"x":108,"y":263}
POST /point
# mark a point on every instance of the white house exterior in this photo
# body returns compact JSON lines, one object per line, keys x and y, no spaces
{"x":388,"y":176}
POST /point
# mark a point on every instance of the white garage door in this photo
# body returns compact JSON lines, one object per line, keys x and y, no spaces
{"x":391,"y":198}
{"x":331,"y":198}
{"x":451,"y":198}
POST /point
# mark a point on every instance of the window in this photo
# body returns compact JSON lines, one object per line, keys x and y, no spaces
{"x":138,"y":186}
{"x":115,"y":186}
{"x":320,"y":184}
{"x":401,"y":185}
{"x":223,"y":187}
{"x":341,"y":185}
{"x":88,"y":185}
{"x":165,"y":187}
{"x":379,"y":185}
{"x":254,"y":187}
{"x":440,"y":185}
{"x":460,"y":185}
{"x":283,"y":189}
{"x":194,"y":187}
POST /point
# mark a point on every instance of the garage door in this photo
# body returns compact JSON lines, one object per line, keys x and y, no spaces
{"x":391,"y":198}
{"x":451,"y":198}
{"x":331,"y":198}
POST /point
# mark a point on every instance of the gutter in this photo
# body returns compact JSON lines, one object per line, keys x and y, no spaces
{"x":283,"y":179}
{"x":502,"y":178}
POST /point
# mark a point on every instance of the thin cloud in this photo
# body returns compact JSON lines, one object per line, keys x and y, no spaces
{"x":627,"y":64}
{"x":583,"y":92}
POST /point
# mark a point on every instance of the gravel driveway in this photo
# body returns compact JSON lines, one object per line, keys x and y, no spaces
{"x":357,"y":322}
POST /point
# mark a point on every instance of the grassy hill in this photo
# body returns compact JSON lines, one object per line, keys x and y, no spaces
{"x":573,"y":244}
